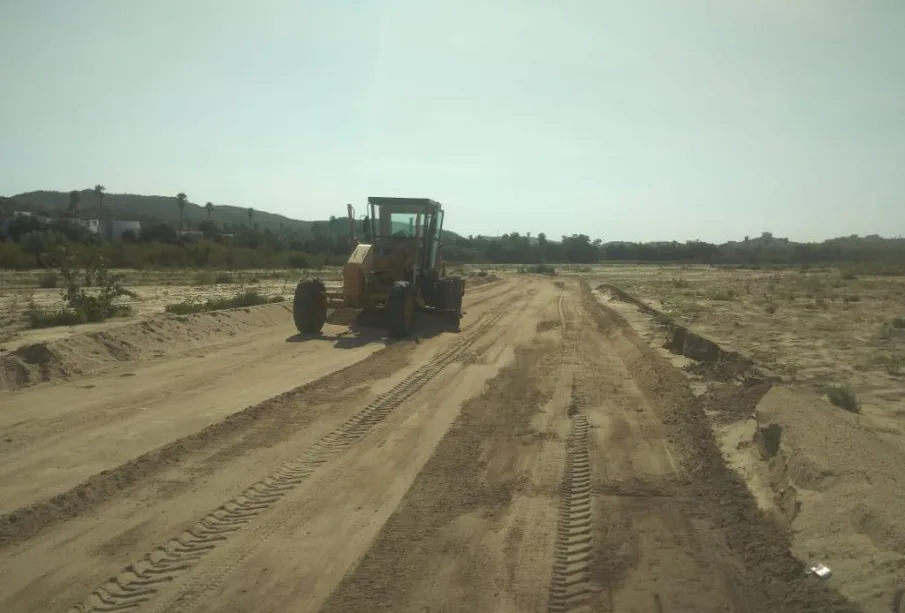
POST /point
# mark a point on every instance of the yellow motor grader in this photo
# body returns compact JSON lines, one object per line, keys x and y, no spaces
{"x":397,"y":269}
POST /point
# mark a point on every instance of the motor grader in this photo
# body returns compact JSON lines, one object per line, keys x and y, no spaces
{"x":396,"y":271}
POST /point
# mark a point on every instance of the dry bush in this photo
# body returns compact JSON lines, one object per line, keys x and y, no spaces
{"x":245,"y":298}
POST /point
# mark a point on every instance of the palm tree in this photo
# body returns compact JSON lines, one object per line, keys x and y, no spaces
{"x":251,"y":213}
{"x":181,"y":199}
{"x":73,"y":210}
{"x":99,"y":192}
{"x":209,"y":207}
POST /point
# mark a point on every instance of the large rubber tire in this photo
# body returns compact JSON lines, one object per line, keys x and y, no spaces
{"x":452,"y":289}
{"x":309,"y":308}
{"x":400,"y":310}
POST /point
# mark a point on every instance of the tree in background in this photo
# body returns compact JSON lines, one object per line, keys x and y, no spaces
{"x":251,"y":214}
{"x":99,"y":193}
{"x":209,"y":207}
{"x":181,"y":199}
{"x":73,"y":210}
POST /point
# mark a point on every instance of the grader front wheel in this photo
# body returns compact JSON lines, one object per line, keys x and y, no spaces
{"x":309,"y":308}
{"x":400,"y":310}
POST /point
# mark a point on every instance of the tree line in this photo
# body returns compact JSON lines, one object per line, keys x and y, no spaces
{"x":30,"y":242}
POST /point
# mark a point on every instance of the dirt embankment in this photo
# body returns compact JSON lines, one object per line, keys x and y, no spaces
{"x":813,"y":469}
{"x":92,"y":352}
{"x":839,"y":485}
{"x":713,"y":360}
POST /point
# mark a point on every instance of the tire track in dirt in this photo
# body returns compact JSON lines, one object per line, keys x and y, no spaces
{"x":198,"y":589}
{"x":570,"y":582}
{"x":570,"y":587}
{"x":475,"y":530}
{"x":139,"y":582}
{"x":28,"y":522}
{"x":23,"y":523}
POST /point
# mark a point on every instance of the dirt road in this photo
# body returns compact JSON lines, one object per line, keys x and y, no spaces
{"x":544,"y":459}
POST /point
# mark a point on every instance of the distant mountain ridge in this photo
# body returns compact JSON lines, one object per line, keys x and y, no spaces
{"x":157,"y":209}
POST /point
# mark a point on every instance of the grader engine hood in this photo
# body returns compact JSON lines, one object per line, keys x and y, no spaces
{"x":355,"y":271}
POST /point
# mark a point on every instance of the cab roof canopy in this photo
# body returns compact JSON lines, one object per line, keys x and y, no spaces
{"x":406,"y":205}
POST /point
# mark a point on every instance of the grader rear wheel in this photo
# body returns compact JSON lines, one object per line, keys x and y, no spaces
{"x":309,"y":308}
{"x":400,"y":310}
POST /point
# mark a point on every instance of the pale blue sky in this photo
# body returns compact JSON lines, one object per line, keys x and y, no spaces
{"x":629,"y":120}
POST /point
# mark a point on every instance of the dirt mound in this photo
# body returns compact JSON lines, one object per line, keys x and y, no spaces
{"x":849,"y":495}
{"x":93,"y":352}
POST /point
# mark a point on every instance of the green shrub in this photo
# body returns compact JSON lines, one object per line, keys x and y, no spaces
{"x":538,"y":269}
{"x":39,"y":317}
{"x":80,"y":305}
{"x":299,"y":260}
{"x":49,"y":280}
{"x":245,"y":298}
{"x":724,"y":295}
{"x":843,"y":397}
{"x":204,"y":278}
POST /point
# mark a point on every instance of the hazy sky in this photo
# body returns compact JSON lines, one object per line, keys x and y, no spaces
{"x":630,"y":120}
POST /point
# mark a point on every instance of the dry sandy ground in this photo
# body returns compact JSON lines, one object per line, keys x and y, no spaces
{"x":543,"y":459}
{"x":154,"y":291}
{"x":830,"y":476}
{"x":827,"y":328}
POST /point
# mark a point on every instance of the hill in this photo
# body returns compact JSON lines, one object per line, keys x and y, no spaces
{"x":156,"y":209}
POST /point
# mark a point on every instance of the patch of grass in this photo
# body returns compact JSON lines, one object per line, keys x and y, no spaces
{"x":538,"y":269}
{"x":49,"y":280}
{"x":898,"y":323}
{"x":82,"y":305}
{"x":204,"y":278}
{"x":224,"y":278}
{"x":770,"y":308}
{"x":245,"y":298}
{"x":724,"y":295}
{"x":40,"y":317}
{"x":679,"y":283}
{"x":851,"y":298}
{"x":844,"y":398}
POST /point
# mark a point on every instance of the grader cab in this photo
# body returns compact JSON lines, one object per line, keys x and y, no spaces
{"x":396,"y":271}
